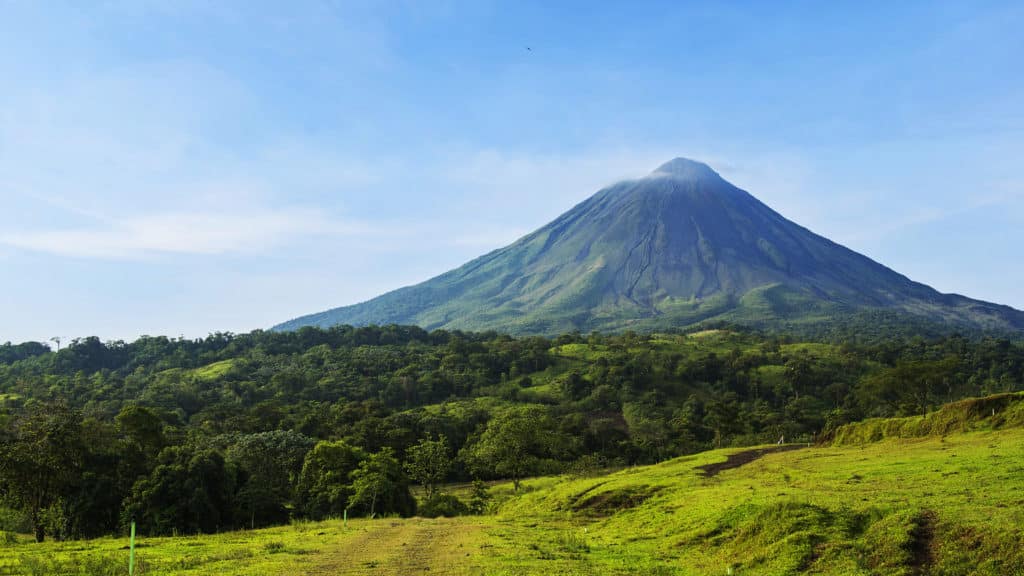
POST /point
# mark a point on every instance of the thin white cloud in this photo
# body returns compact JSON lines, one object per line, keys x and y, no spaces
{"x":201,"y":233}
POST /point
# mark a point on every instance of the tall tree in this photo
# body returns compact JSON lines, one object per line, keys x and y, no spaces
{"x":429,"y":463}
{"x":269,"y":464}
{"x":325,"y":486}
{"x":40,"y":459}
{"x":190,"y":491}
{"x":380,"y":486}
{"x":514,"y":444}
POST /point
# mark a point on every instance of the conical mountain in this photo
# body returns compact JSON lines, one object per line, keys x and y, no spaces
{"x":676,"y":248}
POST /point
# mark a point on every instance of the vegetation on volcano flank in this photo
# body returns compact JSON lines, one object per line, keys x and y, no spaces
{"x":681,"y":247}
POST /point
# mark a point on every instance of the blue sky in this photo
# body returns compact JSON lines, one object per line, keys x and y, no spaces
{"x":179,"y":168}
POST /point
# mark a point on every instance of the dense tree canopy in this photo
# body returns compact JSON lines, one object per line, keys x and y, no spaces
{"x":254,"y":429}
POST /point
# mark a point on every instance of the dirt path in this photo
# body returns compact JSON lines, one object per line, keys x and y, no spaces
{"x":740,"y":458}
{"x":400,"y":547}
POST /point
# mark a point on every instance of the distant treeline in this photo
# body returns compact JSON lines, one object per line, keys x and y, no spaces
{"x":250,"y":430}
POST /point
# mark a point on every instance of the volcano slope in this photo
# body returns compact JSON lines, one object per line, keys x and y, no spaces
{"x":677,"y":248}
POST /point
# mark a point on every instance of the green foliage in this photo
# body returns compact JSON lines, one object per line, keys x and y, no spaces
{"x":988,"y":413}
{"x":39,"y":461}
{"x":429,"y":463}
{"x":931,"y":505}
{"x":142,"y":427}
{"x":379,"y":486}
{"x":13,"y":520}
{"x":190,"y":490}
{"x":447,"y":505}
{"x":324,"y":486}
{"x":514,"y":444}
{"x":14,"y":352}
{"x":480,"y":498}
{"x":268,"y":466}
{"x":896,"y":507}
{"x":250,"y":407}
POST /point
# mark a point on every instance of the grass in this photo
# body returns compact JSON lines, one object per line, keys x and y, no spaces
{"x":330,"y":547}
{"x":213,"y":371}
{"x":988,"y":413}
{"x":950,"y":504}
{"x":940,"y":494}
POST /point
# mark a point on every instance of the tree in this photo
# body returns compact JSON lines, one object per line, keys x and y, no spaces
{"x":109,"y":467}
{"x":40,"y":459}
{"x":514,"y":444}
{"x":269,"y":464}
{"x":429,"y":463}
{"x":142,"y":428}
{"x":324,"y":486}
{"x":190,"y":490}
{"x":648,"y":429}
{"x":379,"y":485}
{"x":574,"y":386}
{"x":723,"y":416}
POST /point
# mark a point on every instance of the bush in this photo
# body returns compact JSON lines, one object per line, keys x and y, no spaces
{"x":481,"y":500}
{"x":446,"y":505}
{"x":586,"y":466}
{"x":12,"y":520}
{"x":273,"y":547}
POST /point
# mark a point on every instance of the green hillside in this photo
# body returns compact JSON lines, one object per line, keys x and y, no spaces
{"x":261,"y":429}
{"x":931,"y":505}
{"x":945,"y":501}
{"x":678,"y":248}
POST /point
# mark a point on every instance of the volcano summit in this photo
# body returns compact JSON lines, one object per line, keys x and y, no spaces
{"x":677,"y":248}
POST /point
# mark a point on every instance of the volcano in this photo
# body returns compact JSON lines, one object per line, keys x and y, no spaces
{"x":678,"y":248}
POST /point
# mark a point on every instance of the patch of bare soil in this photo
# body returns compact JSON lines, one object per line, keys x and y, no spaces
{"x":740,"y":458}
{"x":923,"y":547}
{"x":612,"y":501}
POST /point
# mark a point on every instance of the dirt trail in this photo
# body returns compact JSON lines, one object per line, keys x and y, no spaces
{"x":400,"y":547}
{"x":740,"y":458}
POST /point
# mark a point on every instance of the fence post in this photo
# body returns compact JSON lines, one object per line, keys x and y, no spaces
{"x":131,"y":552}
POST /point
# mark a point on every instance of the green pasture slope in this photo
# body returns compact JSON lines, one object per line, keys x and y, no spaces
{"x":938,"y":494}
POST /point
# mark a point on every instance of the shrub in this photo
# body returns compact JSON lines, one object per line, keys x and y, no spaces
{"x":273,"y":547}
{"x":12,"y":520}
{"x":481,"y":499}
{"x":446,"y":505}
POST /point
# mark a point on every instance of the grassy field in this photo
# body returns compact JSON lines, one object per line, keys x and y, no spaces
{"x":889,"y":497}
{"x":383,"y":546}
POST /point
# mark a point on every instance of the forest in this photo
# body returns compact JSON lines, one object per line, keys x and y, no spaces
{"x":249,"y":430}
